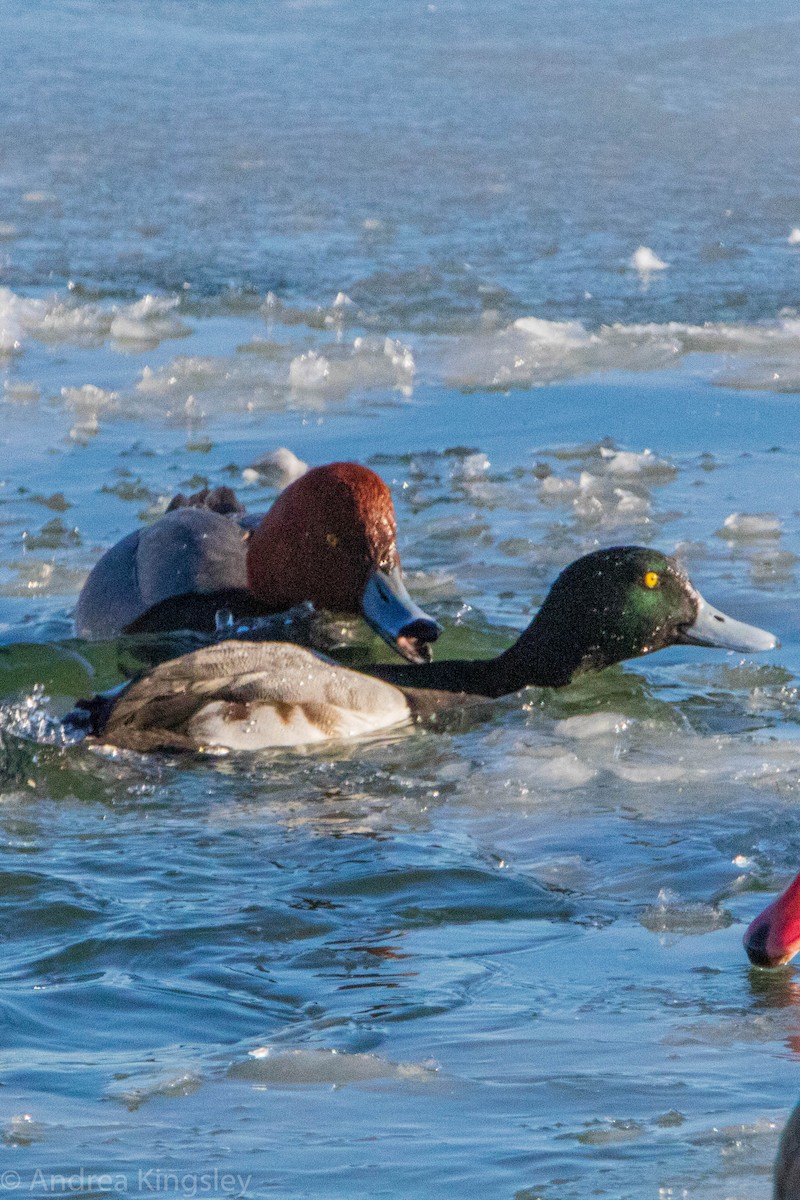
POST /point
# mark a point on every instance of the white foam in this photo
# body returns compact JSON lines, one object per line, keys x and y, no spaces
{"x":794,"y":237}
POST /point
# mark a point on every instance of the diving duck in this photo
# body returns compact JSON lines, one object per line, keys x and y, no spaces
{"x":606,"y":607}
{"x":329,"y":538}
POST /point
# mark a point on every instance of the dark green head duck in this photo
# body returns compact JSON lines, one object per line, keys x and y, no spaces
{"x":609,"y":606}
{"x":604,"y":608}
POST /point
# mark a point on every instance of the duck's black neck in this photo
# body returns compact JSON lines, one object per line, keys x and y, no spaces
{"x":541,"y":657}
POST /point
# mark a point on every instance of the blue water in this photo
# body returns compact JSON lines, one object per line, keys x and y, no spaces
{"x":501,"y":958}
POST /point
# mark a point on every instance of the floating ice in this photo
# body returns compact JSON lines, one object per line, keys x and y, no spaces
{"x":278,"y":469}
{"x":184,"y":373}
{"x":368,"y":364}
{"x":555,"y":487}
{"x":17,"y":391}
{"x":794,"y":237}
{"x":609,"y":1132}
{"x":773,"y":566}
{"x":532,"y":352}
{"x":644,"y":261}
{"x":552,"y":333}
{"x":593,"y":725}
{"x":672,"y":914}
{"x":599,"y":502}
{"x":55,"y":319}
{"x":90,"y":399}
{"x":268,"y":1065}
{"x":471,"y":466}
{"x":646,"y":773}
{"x":630,"y":463}
{"x":750,"y":527}
{"x":166,"y":1087}
{"x":550,"y":768}
{"x":149,"y":320}
{"x":10,"y":323}
{"x":22,"y":1130}
{"x":310,"y":371}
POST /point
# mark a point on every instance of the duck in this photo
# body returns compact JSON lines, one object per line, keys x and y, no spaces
{"x":329,"y":539}
{"x":608,"y":606}
{"x":773,"y":938}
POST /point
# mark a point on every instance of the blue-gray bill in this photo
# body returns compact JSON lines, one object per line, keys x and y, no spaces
{"x":714,"y":628}
{"x":390,"y":611}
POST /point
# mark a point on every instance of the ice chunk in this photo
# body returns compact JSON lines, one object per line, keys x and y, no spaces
{"x":269,"y":1065}
{"x":89,"y":398}
{"x":149,"y":320}
{"x":369,"y":363}
{"x":593,"y":725}
{"x":278,"y":469}
{"x":184,"y":372}
{"x":750,"y":526}
{"x":19,"y":392}
{"x":674,"y":915}
{"x":644,"y":261}
{"x":471,"y":466}
{"x":555,"y":487}
{"x":553,"y":333}
{"x":310,"y":371}
{"x":631,"y":463}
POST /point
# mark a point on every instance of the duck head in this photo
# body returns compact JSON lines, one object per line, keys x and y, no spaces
{"x":330,"y":538}
{"x":773,"y":938}
{"x":621,"y":603}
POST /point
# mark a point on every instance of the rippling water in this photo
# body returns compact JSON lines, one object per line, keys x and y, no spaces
{"x":500,"y":957}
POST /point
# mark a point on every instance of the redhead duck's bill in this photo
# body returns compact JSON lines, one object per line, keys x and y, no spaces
{"x":711,"y":627}
{"x":773,"y":938}
{"x":389,"y":610}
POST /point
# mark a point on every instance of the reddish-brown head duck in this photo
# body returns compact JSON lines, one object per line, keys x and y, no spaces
{"x":773,"y":938}
{"x":329,"y":538}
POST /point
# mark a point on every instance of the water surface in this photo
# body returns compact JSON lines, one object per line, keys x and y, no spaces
{"x":500,"y":957}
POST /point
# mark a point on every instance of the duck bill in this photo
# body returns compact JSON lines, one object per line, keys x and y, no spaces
{"x":713,"y":628}
{"x":390,"y":611}
{"x":773,"y":938}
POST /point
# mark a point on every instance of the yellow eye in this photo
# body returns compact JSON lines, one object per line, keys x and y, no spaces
{"x":651,"y":579}
{"x":332,"y":539}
